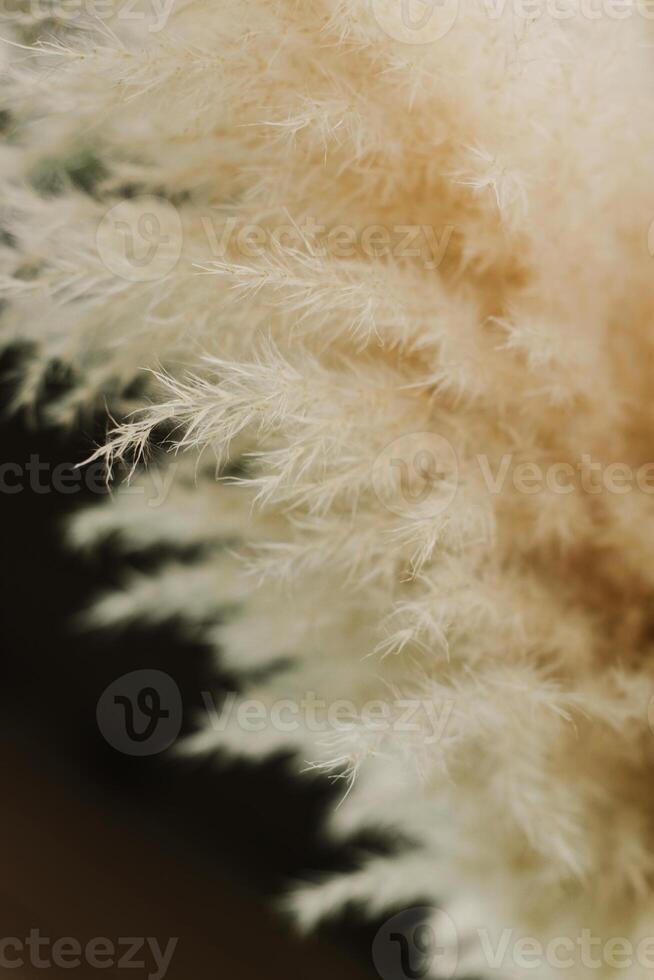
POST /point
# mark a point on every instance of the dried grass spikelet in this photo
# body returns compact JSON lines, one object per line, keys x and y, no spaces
{"x":280,"y":232}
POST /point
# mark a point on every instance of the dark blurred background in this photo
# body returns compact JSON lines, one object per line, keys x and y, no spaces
{"x":102,"y":844}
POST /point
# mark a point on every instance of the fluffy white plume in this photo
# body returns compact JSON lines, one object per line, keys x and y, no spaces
{"x":382,"y":288}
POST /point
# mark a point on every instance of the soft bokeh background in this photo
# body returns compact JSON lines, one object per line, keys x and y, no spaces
{"x":98,"y":843}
